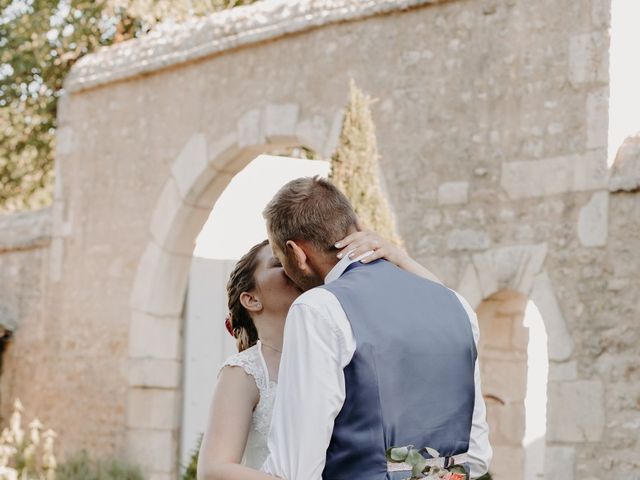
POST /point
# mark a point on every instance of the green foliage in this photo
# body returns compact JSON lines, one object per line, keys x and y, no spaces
{"x":486,"y":476}
{"x":81,"y":467}
{"x":191,"y":471}
{"x":418,"y":463}
{"x":355,"y":169}
{"x":39,"y":42}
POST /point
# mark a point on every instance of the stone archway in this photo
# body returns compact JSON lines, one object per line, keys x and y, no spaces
{"x":199,"y":175}
{"x":575,"y":411}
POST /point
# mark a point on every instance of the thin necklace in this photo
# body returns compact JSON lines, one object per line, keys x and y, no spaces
{"x":272,"y":348}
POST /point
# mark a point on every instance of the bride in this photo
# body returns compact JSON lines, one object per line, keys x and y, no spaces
{"x":234,"y":445}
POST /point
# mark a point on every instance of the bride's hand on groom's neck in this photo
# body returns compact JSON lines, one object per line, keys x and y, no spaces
{"x":371,"y":243}
{"x":375,"y":246}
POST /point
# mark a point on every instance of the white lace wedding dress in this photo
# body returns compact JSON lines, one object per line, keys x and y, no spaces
{"x":252,"y":362}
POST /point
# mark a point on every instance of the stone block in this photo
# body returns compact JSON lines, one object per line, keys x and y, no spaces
{"x":506,"y":380}
{"x":28,"y":229}
{"x":156,"y":337}
{"x":601,"y":13}
{"x":589,"y":58}
{"x":559,"y":462}
{"x":222,"y":150}
{"x":560,"y":343}
{"x":312,"y":133}
{"x":155,"y":451}
{"x":453,"y":193}
{"x":191,"y":169}
{"x":513,"y":305}
{"x":598,"y":118}
{"x":467,"y":239}
{"x":520,"y":336}
{"x":175,"y":224}
{"x":511,"y":424}
{"x":506,"y":460}
{"x":509,"y":267}
{"x":534,"y":178}
{"x":332,"y":140}
{"x":576,"y":411}
{"x":593,"y":221}
{"x":550,"y":176}
{"x":280,"y":121}
{"x":487,"y":274}
{"x":563,"y":371}
{"x":251,"y":129}
{"x":154,"y":373}
{"x":590,"y":171}
{"x":161,"y":282}
{"x":150,"y":408}
{"x":496,"y":331}
{"x":64,"y":141}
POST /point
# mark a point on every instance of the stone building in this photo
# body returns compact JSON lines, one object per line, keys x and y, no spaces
{"x":492,"y":126}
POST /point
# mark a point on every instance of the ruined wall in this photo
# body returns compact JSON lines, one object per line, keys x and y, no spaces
{"x":611,"y":345}
{"x":492,"y":125}
{"x":24,"y":244}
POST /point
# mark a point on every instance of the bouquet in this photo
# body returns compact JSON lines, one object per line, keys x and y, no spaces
{"x":419,"y":464}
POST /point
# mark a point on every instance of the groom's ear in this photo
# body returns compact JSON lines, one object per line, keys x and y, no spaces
{"x":296,"y":252}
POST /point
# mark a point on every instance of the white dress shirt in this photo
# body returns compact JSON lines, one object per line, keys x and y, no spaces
{"x":318,"y":345}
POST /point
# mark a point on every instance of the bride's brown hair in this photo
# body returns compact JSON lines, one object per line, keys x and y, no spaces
{"x":242,"y":279}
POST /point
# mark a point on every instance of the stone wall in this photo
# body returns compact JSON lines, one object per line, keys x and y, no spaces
{"x":24,"y":243}
{"x":611,"y":340}
{"x":492,"y":127}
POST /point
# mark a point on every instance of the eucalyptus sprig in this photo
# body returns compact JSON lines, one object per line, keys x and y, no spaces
{"x":418,"y":463}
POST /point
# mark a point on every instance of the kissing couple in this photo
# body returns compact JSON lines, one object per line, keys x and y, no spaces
{"x":354,"y":360}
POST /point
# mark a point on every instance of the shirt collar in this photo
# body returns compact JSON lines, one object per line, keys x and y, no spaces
{"x":341,"y":266}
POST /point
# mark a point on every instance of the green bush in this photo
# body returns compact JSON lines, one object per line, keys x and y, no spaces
{"x":191,"y":472}
{"x":81,"y":467}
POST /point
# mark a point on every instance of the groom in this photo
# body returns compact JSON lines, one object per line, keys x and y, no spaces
{"x":374,"y":357}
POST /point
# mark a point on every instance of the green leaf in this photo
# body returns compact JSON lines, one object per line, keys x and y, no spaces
{"x":397,"y":454}
{"x":413,"y":457}
{"x":434,"y":453}
{"x":419,"y":466}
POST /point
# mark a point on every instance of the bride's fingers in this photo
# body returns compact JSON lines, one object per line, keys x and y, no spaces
{"x":350,"y":239}
{"x":374,"y":255}
{"x":361,"y":249}
{"x":351,"y":249}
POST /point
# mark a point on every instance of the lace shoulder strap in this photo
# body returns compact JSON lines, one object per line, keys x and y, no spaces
{"x":249,"y":360}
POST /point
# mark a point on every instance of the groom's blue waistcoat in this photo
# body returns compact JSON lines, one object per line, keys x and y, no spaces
{"x":411,"y":379}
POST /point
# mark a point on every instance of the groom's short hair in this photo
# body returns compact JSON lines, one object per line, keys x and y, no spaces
{"x":310,"y":209}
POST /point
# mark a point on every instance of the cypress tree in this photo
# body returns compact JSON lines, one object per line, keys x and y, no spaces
{"x":355,"y":169}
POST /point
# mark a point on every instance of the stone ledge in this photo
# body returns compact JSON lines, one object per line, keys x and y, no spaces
{"x":552,"y":176}
{"x":171,"y":44}
{"x":25,"y":230}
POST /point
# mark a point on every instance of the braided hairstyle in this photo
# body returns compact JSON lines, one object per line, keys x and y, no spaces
{"x":242,"y":279}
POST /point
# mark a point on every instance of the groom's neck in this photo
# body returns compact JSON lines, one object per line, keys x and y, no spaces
{"x":323,"y":263}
